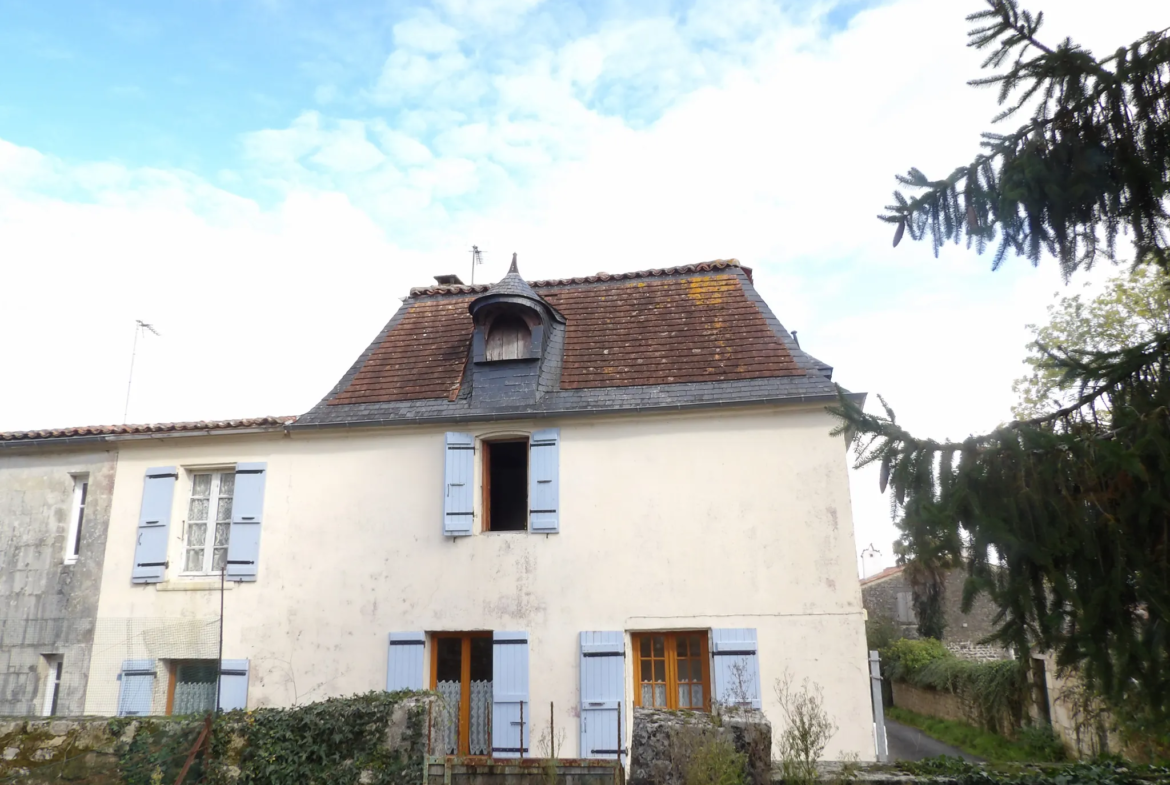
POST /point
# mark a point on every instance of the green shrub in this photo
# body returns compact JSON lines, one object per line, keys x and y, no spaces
{"x":880,"y":632}
{"x":904,"y":657}
{"x":1041,"y":741}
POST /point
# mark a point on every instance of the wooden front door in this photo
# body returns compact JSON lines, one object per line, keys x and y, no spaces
{"x":461,"y":672}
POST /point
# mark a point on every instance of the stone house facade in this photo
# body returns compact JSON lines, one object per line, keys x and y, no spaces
{"x":54,"y":510}
{"x":888,"y":595}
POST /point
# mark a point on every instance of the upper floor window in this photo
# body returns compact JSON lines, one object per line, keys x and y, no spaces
{"x":505,"y":485}
{"x":508,"y":338}
{"x":76,"y":517}
{"x":209,"y":521}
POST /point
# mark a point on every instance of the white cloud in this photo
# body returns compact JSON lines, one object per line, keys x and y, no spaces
{"x":425,"y":33}
{"x":493,"y":14}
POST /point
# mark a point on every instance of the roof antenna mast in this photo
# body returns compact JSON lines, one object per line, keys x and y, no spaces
{"x":140,"y":327}
{"x":476,"y":259}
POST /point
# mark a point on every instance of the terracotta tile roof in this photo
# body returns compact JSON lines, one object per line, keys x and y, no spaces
{"x":685,"y":329}
{"x":148,"y":428}
{"x":422,"y":357}
{"x":886,"y":573}
{"x":686,"y":269}
{"x":680,"y":324}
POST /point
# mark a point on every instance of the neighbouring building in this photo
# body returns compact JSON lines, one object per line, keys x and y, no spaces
{"x":54,"y":506}
{"x":583,"y":495}
{"x":888,"y":595}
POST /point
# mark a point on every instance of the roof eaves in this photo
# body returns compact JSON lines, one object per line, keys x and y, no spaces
{"x":539,"y":414}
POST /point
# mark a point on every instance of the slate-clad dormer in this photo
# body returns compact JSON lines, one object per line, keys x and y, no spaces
{"x":512,"y":326}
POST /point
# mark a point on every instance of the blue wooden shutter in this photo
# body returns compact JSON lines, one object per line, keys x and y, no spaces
{"x":735,"y":655}
{"x":243,"y":558}
{"x":404,"y":664}
{"x":136,"y":693}
{"x":154,"y":522}
{"x":544,"y":483}
{"x":459,"y":485}
{"x":233,"y":684}
{"x":603,"y":682}
{"x":511,"y":714}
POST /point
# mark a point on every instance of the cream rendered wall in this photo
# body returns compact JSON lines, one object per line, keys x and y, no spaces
{"x":709,"y":519}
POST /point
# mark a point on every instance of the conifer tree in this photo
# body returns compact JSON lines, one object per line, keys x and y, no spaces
{"x":1063,"y":520}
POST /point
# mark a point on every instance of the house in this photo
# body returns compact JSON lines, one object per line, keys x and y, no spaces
{"x":54,"y":504}
{"x":578,"y":496}
{"x":888,"y":595}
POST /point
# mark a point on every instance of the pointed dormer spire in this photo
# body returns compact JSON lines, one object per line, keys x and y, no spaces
{"x":514,"y":268}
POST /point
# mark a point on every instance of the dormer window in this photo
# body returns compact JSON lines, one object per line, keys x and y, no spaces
{"x":508,"y":338}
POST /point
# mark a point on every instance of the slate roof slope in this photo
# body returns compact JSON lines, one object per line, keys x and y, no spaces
{"x":199,"y":426}
{"x":696,"y":335}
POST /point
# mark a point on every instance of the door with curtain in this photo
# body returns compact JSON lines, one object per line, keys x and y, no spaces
{"x":462,"y":674}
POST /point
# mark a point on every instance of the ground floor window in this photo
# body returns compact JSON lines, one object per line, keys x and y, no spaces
{"x":55,"y":664}
{"x":671,"y":671}
{"x":191,"y":689}
{"x":461,"y":672}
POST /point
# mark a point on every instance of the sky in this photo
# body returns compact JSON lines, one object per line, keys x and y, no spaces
{"x":263,"y":180}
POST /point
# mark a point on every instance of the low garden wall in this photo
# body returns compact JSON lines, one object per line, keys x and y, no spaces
{"x":932,"y":703}
{"x":375,"y":739}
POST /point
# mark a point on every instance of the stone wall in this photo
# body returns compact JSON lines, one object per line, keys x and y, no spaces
{"x":662,"y":742}
{"x":963,"y":630}
{"x":48,"y":607}
{"x":930,"y":703}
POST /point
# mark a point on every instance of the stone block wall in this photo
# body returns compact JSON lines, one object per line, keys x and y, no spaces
{"x":963,"y":630}
{"x":930,"y":703}
{"x":48,"y":607}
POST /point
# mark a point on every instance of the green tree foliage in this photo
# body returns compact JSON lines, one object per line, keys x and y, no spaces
{"x":1133,"y":308}
{"x":1062,"y":520}
{"x":1093,"y":160}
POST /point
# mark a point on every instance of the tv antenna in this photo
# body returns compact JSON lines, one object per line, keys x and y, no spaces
{"x":476,"y":259}
{"x":140,"y":328}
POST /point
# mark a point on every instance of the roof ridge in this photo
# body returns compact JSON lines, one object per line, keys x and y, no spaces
{"x":657,"y":272}
{"x":156,"y":427}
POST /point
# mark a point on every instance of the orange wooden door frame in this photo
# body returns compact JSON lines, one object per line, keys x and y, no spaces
{"x":464,"y":680}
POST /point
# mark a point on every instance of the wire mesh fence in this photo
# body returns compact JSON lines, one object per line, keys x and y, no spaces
{"x":108,"y":666}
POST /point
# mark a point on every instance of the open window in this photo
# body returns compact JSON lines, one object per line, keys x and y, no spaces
{"x":505,"y":485}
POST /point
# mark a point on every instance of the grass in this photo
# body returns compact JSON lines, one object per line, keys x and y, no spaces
{"x":975,"y":741}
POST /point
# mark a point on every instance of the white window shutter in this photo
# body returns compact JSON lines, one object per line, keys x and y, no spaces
{"x":511,"y":713}
{"x":736,"y":660}
{"x":459,"y":485}
{"x":404,"y":663}
{"x":544,"y":481}
{"x":603,"y":681}
{"x":233,"y":684}
{"x":243,"y":559}
{"x":136,"y":692}
{"x":154,"y":522}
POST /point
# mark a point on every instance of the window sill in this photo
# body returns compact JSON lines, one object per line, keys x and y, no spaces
{"x":70,"y":561}
{"x":194,"y":584}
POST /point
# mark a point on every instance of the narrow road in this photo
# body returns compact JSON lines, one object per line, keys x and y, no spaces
{"x":906,"y":743}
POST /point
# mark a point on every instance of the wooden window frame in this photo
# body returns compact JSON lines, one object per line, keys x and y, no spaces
{"x":464,"y":680}
{"x":173,"y":679}
{"x":671,"y":653}
{"x":485,"y":469}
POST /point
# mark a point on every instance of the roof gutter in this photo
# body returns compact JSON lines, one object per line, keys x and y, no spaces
{"x":69,"y":441}
{"x":858,"y":398}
